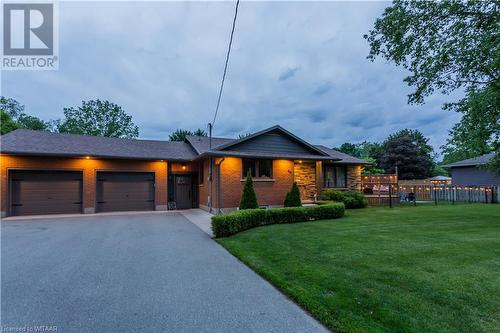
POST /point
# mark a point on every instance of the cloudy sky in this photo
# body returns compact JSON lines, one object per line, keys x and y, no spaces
{"x":299,"y":64}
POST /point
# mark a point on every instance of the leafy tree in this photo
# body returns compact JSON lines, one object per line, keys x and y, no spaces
{"x":403,"y":152}
{"x":292,"y":198}
{"x":98,"y":118}
{"x":438,"y":170}
{"x":180,"y":134}
{"x":447,"y":46}
{"x":248,"y":197}
{"x":368,"y":151}
{"x":6,"y":123}
{"x":417,"y":138}
{"x":32,"y":122}
{"x":17,"y":118}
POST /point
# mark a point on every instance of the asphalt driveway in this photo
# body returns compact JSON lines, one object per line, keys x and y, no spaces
{"x":134,"y":272}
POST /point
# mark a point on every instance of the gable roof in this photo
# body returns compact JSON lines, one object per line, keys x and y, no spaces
{"x":201,"y":145}
{"x":275,"y":129}
{"x":480,"y":160}
{"x":29,"y":142}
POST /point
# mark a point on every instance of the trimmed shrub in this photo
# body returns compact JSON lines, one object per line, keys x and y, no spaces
{"x":355,"y":199}
{"x":292,"y":198}
{"x":248,"y":197}
{"x":351,"y":199}
{"x":229,"y":224}
{"x":332,"y":195}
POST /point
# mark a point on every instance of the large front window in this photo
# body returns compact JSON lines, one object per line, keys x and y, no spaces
{"x":334,"y":176}
{"x":257,"y":168}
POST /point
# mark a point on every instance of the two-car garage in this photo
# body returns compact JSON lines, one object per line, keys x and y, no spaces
{"x":34,"y":192}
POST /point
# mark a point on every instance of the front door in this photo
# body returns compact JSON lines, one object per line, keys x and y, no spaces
{"x":183,"y":191}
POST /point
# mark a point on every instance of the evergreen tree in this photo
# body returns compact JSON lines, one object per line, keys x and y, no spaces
{"x":248,"y":197}
{"x":292,"y":198}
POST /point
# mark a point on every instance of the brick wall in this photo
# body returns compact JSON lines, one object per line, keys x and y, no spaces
{"x":269,"y":192}
{"x":305,"y":176}
{"x":89,"y":167}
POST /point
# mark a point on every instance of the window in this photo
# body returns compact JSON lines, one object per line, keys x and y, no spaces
{"x":334,"y":176}
{"x":265,"y":168}
{"x":258,"y":168}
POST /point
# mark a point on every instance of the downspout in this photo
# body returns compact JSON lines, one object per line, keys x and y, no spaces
{"x":219,"y":185}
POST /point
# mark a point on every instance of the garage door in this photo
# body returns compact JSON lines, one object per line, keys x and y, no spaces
{"x":45,"y":192}
{"x":122,"y":191}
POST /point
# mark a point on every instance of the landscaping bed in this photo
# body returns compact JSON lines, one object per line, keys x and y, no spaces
{"x":406,"y":269}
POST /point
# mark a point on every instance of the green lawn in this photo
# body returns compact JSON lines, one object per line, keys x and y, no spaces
{"x":409,"y":269}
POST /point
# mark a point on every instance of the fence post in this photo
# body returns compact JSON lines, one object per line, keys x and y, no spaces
{"x":390,"y":195}
{"x":453,"y":194}
{"x":435,"y":196}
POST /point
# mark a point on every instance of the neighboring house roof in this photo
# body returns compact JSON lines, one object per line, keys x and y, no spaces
{"x":439,"y":178}
{"x":274,"y":142}
{"x":29,"y":142}
{"x":480,"y":160}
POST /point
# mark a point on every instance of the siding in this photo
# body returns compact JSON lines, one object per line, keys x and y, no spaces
{"x":464,"y":176}
{"x":273,"y":143}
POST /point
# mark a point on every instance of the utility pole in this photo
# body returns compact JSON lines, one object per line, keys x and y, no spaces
{"x":210,"y":170}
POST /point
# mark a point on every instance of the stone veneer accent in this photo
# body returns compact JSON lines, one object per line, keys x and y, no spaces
{"x":305,"y":176}
{"x":354,"y":177}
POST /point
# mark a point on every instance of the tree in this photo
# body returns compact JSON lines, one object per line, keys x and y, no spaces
{"x":292,"y":198}
{"x":32,"y":122}
{"x":181,"y":134}
{"x":6,"y":123}
{"x":447,"y":46}
{"x":368,"y":151}
{"x":98,"y":118}
{"x":403,"y":152}
{"x":248,"y":197}
{"x":13,"y":114}
{"x":11,"y":107}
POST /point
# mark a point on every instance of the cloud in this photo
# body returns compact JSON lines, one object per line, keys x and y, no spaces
{"x":289,"y":73}
{"x":323,"y":89}
{"x":163,"y":61}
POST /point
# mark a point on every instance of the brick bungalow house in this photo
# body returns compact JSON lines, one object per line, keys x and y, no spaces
{"x":51,"y":173}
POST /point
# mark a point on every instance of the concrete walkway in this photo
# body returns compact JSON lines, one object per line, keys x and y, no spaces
{"x":134,"y":272}
{"x":200,"y":218}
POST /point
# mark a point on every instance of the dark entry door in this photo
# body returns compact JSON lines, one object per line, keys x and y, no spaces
{"x":183,"y":191}
{"x":45,"y":192}
{"x":125,"y":191}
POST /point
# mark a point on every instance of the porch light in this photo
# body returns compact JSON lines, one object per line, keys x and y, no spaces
{"x":87,"y":157}
{"x":183,"y":166}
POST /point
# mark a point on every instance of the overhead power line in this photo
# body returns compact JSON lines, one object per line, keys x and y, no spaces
{"x":225,"y":65}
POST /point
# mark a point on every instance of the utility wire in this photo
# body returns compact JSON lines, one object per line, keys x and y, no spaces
{"x":227,"y":60}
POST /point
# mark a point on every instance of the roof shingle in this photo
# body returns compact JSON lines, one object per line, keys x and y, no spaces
{"x":29,"y":142}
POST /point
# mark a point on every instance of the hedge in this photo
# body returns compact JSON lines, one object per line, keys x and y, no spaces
{"x":229,"y":224}
{"x":351,"y":199}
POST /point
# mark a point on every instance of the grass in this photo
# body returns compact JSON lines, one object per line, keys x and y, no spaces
{"x":406,"y":269}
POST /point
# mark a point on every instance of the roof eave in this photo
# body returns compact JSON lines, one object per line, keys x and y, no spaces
{"x":72,"y":155}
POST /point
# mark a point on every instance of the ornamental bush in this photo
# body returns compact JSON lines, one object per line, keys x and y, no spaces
{"x":229,"y":224}
{"x":351,"y":199}
{"x":292,"y":198}
{"x":355,"y":199}
{"x":248,"y":197}
{"x":332,"y":195}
